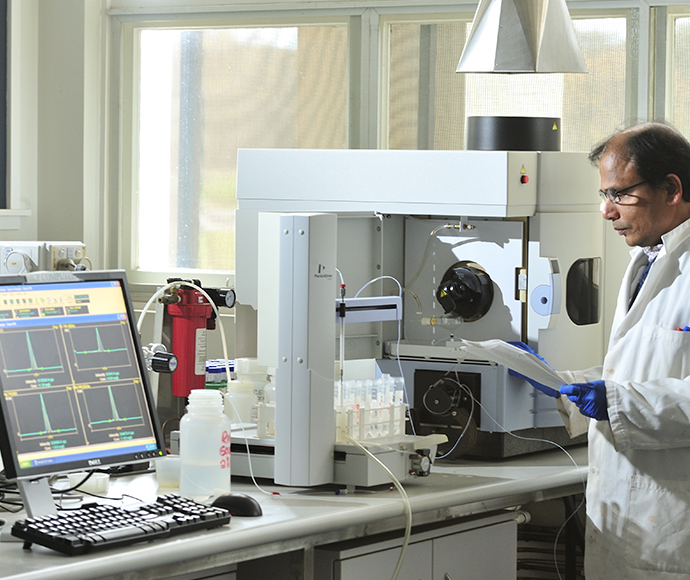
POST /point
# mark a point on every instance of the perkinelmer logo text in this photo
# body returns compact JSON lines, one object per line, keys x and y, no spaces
{"x":322,"y":273}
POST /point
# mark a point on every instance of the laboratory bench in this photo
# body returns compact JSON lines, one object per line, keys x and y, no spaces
{"x":317,"y":533}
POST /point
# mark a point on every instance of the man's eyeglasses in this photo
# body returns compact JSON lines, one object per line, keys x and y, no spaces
{"x":617,"y":195}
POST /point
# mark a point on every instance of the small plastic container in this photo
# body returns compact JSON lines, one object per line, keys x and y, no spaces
{"x":239,"y":400}
{"x":97,"y":483}
{"x":204,"y":446}
{"x":247,"y":369}
{"x":216,"y":373}
{"x":168,"y":471}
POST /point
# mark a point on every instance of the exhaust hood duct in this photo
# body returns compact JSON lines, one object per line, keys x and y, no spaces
{"x":521,"y":36}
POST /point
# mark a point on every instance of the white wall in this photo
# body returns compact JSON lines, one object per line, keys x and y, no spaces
{"x":55,"y":121}
{"x":20,"y":222}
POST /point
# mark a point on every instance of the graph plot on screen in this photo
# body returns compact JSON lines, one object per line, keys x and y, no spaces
{"x":43,"y":414}
{"x":99,"y":346}
{"x":112,"y":406}
{"x":30,"y":352}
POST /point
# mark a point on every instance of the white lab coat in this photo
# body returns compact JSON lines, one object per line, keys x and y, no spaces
{"x":638,"y":488}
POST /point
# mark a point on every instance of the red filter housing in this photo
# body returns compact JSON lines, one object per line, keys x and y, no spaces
{"x":191,"y":316}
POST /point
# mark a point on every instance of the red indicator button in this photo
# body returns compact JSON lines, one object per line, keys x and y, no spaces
{"x":524,"y":179}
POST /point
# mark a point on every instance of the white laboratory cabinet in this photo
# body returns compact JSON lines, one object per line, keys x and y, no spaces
{"x":473,"y":549}
{"x":221,"y":573}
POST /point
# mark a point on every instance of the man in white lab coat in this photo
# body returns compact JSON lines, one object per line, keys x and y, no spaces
{"x":638,"y":404}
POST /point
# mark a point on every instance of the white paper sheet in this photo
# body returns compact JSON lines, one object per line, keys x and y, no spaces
{"x":515,"y":358}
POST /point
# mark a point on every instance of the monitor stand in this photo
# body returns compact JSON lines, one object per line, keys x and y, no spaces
{"x":38,"y":501}
{"x":37,"y":497}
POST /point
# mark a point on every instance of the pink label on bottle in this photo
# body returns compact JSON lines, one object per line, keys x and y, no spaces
{"x":225,"y":451}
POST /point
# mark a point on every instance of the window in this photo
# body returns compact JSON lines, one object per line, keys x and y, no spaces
{"x":582,"y":291}
{"x":195,"y":89}
{"x":428,"y":101}
{"x":202,"y":94}
{"x":678,"y":97}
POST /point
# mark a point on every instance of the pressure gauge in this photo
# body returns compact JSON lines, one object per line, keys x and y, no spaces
{"x":222,"y":296}
{"x":228,"y":294}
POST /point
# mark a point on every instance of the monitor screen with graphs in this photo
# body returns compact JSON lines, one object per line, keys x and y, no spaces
{"x":74,"y":389}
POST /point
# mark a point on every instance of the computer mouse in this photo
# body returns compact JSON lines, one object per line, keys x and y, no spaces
{"x":238,"y":504}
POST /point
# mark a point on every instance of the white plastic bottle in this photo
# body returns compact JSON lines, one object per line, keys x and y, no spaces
{"x":239,"y":401}
{"x":204,"y":446}
{"x":270,"y":390}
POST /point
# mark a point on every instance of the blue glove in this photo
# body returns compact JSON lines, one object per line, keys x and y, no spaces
{"x":537,"y":385}
{"x":529,"y":349}
{"x":590,"y":398}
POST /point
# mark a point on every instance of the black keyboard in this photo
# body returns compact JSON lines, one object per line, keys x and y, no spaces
{"x":97,"y":527}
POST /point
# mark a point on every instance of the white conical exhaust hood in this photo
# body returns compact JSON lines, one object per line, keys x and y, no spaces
{"x":519,"y":36}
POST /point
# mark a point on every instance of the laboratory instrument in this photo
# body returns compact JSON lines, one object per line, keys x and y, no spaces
{"x":191,"y":316}
{"x":296,"y":325}
{"x":518,"y":231}
{"x":183,"y":318}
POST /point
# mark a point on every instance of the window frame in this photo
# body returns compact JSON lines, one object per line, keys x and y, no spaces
{"x":123,"y":233}
{"x":464,"y":15}
{"x":368,"y":43}
{"x":666,"y":19}
{"x":577,"y":12}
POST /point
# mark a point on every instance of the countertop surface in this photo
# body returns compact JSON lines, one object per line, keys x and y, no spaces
{"x":297,"y":518}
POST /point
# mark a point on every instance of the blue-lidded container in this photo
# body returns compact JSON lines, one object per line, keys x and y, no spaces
{"x":216,"y":374}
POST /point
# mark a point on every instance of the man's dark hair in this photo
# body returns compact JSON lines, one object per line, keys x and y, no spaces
{"x":656,"y":149}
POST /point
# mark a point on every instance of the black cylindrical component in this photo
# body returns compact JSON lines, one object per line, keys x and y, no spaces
{"x":163,"y":362}
{"x":466,"y":292}
{"x":513,"y":133}
{"x":222,"y":296}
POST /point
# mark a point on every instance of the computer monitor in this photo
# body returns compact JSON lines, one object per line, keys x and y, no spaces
{"x":74,"y":391}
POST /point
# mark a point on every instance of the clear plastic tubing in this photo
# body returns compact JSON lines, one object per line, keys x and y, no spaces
{"x":204,"y":446}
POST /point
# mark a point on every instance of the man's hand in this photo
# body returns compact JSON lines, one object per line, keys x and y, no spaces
{"x":590,"y":398}
{"x":537,"y":385}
